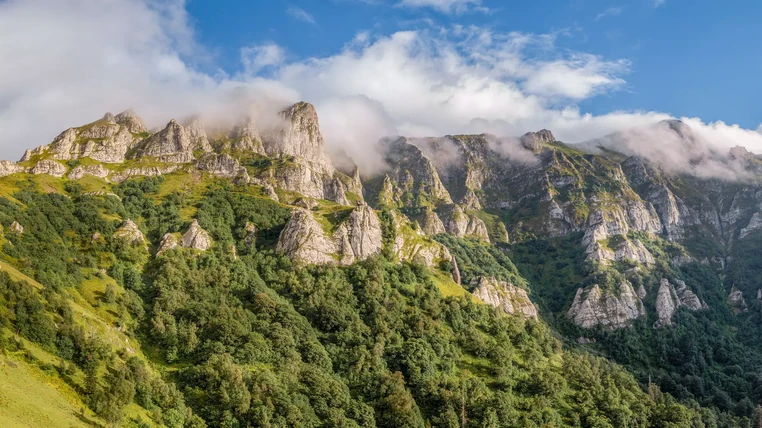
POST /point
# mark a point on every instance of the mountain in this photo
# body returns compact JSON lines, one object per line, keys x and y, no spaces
{"x":236,"y":277}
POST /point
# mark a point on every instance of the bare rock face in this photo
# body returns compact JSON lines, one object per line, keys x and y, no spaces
{"x":269,"y":190}
{"x":168,"y":242}
{"x":145,"y":171}
{"x":632,"y":250}
{"x":196,"y":237}
{"x":470,"y":201}
{"x":533,"y":140}
{"x":670,"y":298}
{"x":737,"y":301}
{"x":413,"y":177}
{"x":357,"y":238}
{"x":131,"y":121}
{"x":412,"y":245}
{"x":171,"y":144}
{"x":303,"y":240}
{"x":364,"y":230}
{"x":461,"y":224}
{"x":754,"y":224}
{"x":130,"y":233}
{"x":83,"y":170}
{"x":431,"y":224}
{"x":245,"y":136}
{"x":8,"y":168}
{"x":510,"y":299}
{"x":221,"y":165}
{"x":17,"y":228}
{"x":196,"y":132}
{"x":106,"y":140}
{"x":49,"y":167}
{"x":606,"y":309}
{"x":300,"y":137}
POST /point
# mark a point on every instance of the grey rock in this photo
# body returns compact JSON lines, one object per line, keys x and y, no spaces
{"x":130,"y":233}
{"x":221,"y":165}
{"x":196,"y":132}
{"x":82,"y":170}
{"x":16,"y":228}
{"x":507,"y":297}
{"x":8,"y":168}
{"x":145,"y":171}
{"x":49,"y":167}
{"x":196,"y":238}
{"x":455,"y":271}
{"x":168,"y":242}
{"x":754,"y":224}
{"x":171,"y":144}
{"x":130,"y":120}
{"x":245,"y":137}
{"x":430,"y":223}
{"x":461,"y":224}
{"x":737,"y":301}
{"x":607,"y":309}
{"x":303,"y":240}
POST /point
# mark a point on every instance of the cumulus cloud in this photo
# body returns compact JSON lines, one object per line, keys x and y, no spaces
{"x":69,"y":61}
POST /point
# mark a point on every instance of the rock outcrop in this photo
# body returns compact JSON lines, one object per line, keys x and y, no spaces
{"x":16,"y":228}
{"x":669,"y":298}
{"x":49,"y":167}
{"x":171,"y":145}
{"x":105,"y":140}
{"x":413,"y":177}
{"x":755,"y":223}
{"x":196,"y":238}
{"x":142,"y":171}
{"x":461,"y":224}
{"x":130,"y":233}
{"x":430,"y":223}
{"x":245,"y":137}
{"x":168,"y":242}
{"x":412,"y":245}
{"x":606,"y":309}
{"x":222,"y":165}
{"x":93,"y":170}
{"x":196,"y":133}
{"x":357,"y":238}
{"x":507,"y":297}
{"x":737,"y":301}
{"x":8,"y":168}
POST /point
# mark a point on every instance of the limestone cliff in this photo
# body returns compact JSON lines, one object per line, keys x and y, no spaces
{"x":669,"y":298}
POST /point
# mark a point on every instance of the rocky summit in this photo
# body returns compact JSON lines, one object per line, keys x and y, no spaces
{"x":193,"y":228}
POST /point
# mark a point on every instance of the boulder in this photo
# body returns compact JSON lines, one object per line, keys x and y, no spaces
{"x":16,"y":228}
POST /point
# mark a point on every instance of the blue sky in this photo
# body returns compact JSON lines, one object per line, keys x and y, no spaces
{"x":687,"y":57}
{"x":375,"y":68}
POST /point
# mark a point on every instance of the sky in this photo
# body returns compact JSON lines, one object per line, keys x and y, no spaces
{"x":373,"y":68}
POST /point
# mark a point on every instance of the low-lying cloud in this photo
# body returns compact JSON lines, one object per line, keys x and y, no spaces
{"x":69,"y":61}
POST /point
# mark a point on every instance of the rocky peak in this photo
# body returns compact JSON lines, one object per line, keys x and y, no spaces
{"x":171,"y":144}
{"x":196,"y":131}
{"x":461,"y":224}
{"x":130,"y":120}
{"x":413,"y":176}
{"x":108,"y":117}
{"x":245,"y":136}
{"x":299,"y":136}
{"x":534,"y":140}
{"x":510,"y":299}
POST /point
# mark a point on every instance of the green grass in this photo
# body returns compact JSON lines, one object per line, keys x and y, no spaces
{"x":30,"y":397}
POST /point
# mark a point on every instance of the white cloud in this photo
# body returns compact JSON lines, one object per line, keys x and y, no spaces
{"x":301,"y":15}
{"x":612,"y":11}
{"x":69,"y":61}
{"x":658,"y":3}
{"x":255,"y":58}
{"x":446,"y":6}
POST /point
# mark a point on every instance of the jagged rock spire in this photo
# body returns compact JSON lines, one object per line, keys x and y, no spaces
{"x":130,"y":120}
{"x":171,"y":144}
